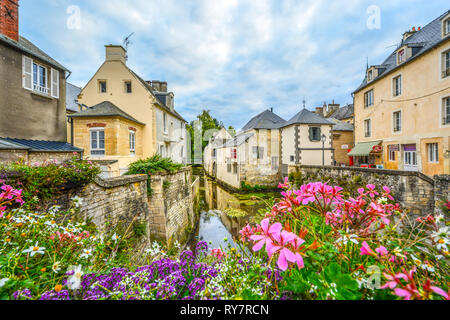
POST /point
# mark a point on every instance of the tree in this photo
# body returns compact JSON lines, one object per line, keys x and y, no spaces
{"x":208,"y":123}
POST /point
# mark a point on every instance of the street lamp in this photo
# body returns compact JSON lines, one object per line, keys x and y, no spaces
{"x":324,"y":138}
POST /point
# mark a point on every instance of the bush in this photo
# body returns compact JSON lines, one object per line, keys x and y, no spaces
{"x":48,"y":179}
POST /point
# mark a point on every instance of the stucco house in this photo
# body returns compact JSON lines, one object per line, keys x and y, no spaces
{"x":216,"y":140}
{"x":125,"y":118}
{"x":33,"y":92}
{"x":402,"y":107}
{"x":307,"y":139}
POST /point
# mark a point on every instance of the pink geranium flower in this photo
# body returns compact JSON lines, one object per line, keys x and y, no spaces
{"x":382,"y":251}
{"x":366,"y":250}
{"x":265,"y":237}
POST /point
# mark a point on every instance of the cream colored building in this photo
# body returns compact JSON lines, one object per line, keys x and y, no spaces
{"x":217,"y":139}
{"x":307,"y":139}
{"x":137,"y":118}
{"x":402,"y":108}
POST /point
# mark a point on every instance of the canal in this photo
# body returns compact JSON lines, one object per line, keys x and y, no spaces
{"x":223,"y":214}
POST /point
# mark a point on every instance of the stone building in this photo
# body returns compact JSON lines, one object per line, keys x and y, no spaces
{"x":307,"y":139}
{"x":402,"y":107}
{"x":33,"y":92}
{"x":142,"y":111}
{"x":253,"y":155}
{"x":218,"y":139}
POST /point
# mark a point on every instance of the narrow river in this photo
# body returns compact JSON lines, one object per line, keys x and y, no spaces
{"x":215,"y":224}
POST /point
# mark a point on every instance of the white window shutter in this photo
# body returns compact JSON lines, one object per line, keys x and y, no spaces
{"x":27,"y":73}
{"x":55,"y":83}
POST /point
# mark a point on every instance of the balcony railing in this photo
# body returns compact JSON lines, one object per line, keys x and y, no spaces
{"x":40,"y":89}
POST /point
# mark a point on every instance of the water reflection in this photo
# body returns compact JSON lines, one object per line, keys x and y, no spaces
{"x":215,"y":224}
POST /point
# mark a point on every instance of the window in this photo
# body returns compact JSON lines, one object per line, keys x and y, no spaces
{"x":370,"y":75}
{"x":40,"y":78}
{"x":397,"y":117}
{"x":275,"y":163}
{"x":162,"y":151}
{"x":392,"y":152}
{"x":446,"y":109}
{"x":214,"y":153}
{"x":446,"y":27}
{"x":368,"y":99}
{"x":292,"y":158}
{"x":401,"y":56}
{"x":132,"y":142}
{"x":128,"y":88}
{"x":98,"y":142}
{"x":314,"y":133}
{"x":102,"y":86}
{"x":397,"y":86}
{"x":367,"y":128}
{"x":229,"y":165}
{"x":446,"y":64}
{"x":258,"y":153}
{"x":55,"y":83}
{"x":165,"y":122}
{"x":235,"y":168}
{"x":433,"y":152}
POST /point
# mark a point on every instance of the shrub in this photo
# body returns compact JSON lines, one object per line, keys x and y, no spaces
{"x":48,"y":179}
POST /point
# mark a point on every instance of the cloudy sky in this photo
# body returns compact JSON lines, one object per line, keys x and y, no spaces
{"x":233,"y":57}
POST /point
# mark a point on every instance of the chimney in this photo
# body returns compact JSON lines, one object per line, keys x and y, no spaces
{"x":9,"y":19}
{"x":116,"y":53}
{"x":408,"y":34}
{"x":319,"y":111}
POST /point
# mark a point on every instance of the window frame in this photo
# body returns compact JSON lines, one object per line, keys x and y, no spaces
{"x":37,"y":87}
{"x":396,"y":129}
{"x":126,"y":83}
{"x":445,"y":64}
{"x":446,"y":110}
{"x":165,"y":126}
{"x":100,"y":86}
{"x":311,"y":134}
{"x":368,"y":133}
{"x":94,"y":151}
{"x":367,"y":94}
{"x":132,"y":142}
{"x":433,"y":152}
{"x":397,"y":86}
{"x":392,"y":154}
{"x":401,"y":56}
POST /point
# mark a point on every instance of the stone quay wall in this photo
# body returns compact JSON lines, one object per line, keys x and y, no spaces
{"x":413,"y":190}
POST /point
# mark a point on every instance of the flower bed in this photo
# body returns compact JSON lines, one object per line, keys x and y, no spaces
{"x":312,"y":244}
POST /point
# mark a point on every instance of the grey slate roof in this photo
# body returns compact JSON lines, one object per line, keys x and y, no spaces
{"x":307,"y":117}
{"x":424,"y":40}
{"x":24,"y":45}
{"x":37,"y":145}
{"x":104,"y":109}
{"x":264,"y":120}
{"x":72,"y":93}
{"x":237,"y":140}
{"x":343,"y":113}
{"x":341,"y":126}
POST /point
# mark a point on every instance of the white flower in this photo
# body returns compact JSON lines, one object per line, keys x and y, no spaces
{"x":439,"y":218}
{"x":78,"y":202}
{"x":86,"y":253}
{"x":51,"y":224}
{"x":114,"y":237}
{"x":74,"y":282}
{"x":346,"y":238}
{"x":441,"y":233}
{"x":34,"y":250}
{"x":442,"y":244}
{"x":3,"y":281}
{"x":56,"y":267}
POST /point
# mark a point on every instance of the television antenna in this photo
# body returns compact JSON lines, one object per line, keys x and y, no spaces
{"x":127,"y":43}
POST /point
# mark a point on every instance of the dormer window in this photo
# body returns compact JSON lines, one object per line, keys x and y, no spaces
{"x":447,"y":27}
{"x":401,"y":56}
{"x":370,"y":75}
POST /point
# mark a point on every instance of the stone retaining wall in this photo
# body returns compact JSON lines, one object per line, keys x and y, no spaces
{"x":414,"y":190}
{"x":167,"y":215}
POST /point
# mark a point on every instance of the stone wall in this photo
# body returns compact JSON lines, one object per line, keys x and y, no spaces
{"x":441,"y":190}
{"x":172,"y":206}
{"x":30,"y":157}
{"x":167,"y":215}
{"x":414,"y":190}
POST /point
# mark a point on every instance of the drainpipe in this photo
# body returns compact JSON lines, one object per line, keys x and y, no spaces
{"x":71,"y":131}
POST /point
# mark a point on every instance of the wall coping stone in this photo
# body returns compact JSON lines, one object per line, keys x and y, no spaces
{"x":119,"y":181}
{"x":163,"y":174}
{"x":375,"y":171}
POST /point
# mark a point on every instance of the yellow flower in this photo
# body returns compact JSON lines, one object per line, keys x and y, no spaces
{"x":58,"y":288}
{"x":43,"y":269}
{"x":8,"y":240}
